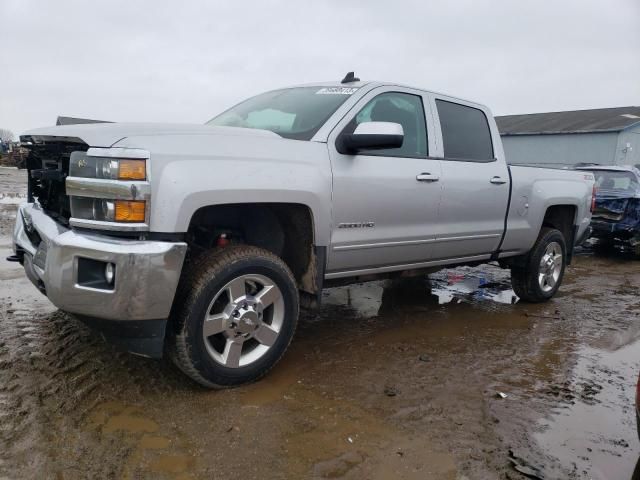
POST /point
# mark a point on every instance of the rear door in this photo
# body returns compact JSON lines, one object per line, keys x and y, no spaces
{"x":385,"y":202}
{"x":475,"y":180}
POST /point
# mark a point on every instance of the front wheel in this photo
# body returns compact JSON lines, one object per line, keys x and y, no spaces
{"x":237,"y":313}
{"x":540,"y":277}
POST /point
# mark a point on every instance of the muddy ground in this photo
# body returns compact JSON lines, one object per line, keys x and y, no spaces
{"x":387,"y":380}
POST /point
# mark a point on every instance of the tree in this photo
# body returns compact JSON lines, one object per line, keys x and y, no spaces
{"x":6,"y":136}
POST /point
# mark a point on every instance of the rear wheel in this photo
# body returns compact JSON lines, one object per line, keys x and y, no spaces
{"x":237,"y":315}
{"x":540,"y":277}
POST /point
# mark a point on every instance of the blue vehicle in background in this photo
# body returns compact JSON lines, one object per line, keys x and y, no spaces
{"x":616,"y":216}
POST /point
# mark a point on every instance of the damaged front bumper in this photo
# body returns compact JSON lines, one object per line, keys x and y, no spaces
{"x":65,"y":265}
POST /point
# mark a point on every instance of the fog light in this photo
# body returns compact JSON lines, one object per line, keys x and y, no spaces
{"x":109,"y":273}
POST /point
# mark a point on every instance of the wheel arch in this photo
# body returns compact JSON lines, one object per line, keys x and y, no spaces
{"x":563,"y":218}
{"x":286,"y":229}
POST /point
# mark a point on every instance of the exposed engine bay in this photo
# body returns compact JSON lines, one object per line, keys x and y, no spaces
{"x":48,"y":167}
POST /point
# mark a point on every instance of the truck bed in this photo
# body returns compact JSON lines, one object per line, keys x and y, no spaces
{"x":531,"y":187}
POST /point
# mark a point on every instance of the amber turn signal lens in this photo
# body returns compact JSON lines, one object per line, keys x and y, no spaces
{"x":126,"y":211}
{"x":132,"y":170}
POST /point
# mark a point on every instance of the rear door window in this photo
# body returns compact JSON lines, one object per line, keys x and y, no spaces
{"x":465,"y":132}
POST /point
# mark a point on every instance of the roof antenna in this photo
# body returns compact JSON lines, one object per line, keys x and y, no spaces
{"x":350,"y":77}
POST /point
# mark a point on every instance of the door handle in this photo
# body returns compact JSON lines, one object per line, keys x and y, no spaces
{"x":427,"y":177}
{"x":498,"y":180}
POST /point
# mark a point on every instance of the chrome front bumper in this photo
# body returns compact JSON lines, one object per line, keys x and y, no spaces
{"x":147,"y":272}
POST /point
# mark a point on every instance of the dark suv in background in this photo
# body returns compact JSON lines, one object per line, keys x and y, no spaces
{"x":616,"y":216}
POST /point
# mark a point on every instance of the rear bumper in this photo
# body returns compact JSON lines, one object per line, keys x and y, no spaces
{"x":147,"y":273}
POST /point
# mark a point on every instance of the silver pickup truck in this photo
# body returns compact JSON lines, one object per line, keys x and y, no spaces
{"x":202,"y":241}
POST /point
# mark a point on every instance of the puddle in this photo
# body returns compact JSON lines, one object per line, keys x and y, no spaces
{"x":117,"y":417}
{"x":450,"y":304}
{"x":364,"y":299}
{"x":490,"y":283}
{"x":154,"y":442}
{"x":465,"y":284}
{"x":172,"y":464}
{"x":341,"y":439}
{"x":594,"y":429}
{"x":130,"y":424}
{"x":279,"y":383}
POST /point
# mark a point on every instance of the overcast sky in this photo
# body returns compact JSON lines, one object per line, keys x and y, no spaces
{"x":184,"y":61}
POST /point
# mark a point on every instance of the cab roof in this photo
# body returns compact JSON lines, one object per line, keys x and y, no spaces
{"x":377,"y":83}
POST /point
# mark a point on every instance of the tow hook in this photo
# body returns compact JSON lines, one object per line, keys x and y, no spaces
{"x":223,"y":240}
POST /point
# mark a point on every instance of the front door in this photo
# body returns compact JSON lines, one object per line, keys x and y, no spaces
{"x":385,"y":202}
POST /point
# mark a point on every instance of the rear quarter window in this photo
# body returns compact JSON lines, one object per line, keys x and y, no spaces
{"x":465,"y":132}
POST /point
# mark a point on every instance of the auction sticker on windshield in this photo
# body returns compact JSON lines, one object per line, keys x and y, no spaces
{"x":336,"y":91}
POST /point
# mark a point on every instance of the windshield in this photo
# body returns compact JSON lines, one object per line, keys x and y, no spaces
{"x":296,"y":113}
{"x":618,"y":182}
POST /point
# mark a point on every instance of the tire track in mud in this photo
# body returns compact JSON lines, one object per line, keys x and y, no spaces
{"x":53,"y":372}
{"x":37,"y":353}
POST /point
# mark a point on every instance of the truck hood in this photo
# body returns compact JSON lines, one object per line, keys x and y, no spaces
{"x":107,"y":134}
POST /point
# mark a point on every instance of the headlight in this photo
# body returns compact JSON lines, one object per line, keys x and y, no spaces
{"x":105,"y":210}
{"x":82,"y":165}
{"x":109,"y":188}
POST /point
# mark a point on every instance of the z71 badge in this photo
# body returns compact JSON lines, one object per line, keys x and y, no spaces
{"x":357,"y":225}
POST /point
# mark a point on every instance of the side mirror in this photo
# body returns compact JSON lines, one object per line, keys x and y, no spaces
{"x":371,"y":136}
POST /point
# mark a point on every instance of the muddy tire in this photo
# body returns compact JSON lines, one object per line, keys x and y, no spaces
{"x":236,"y":312}
{"x":540,"y":277}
